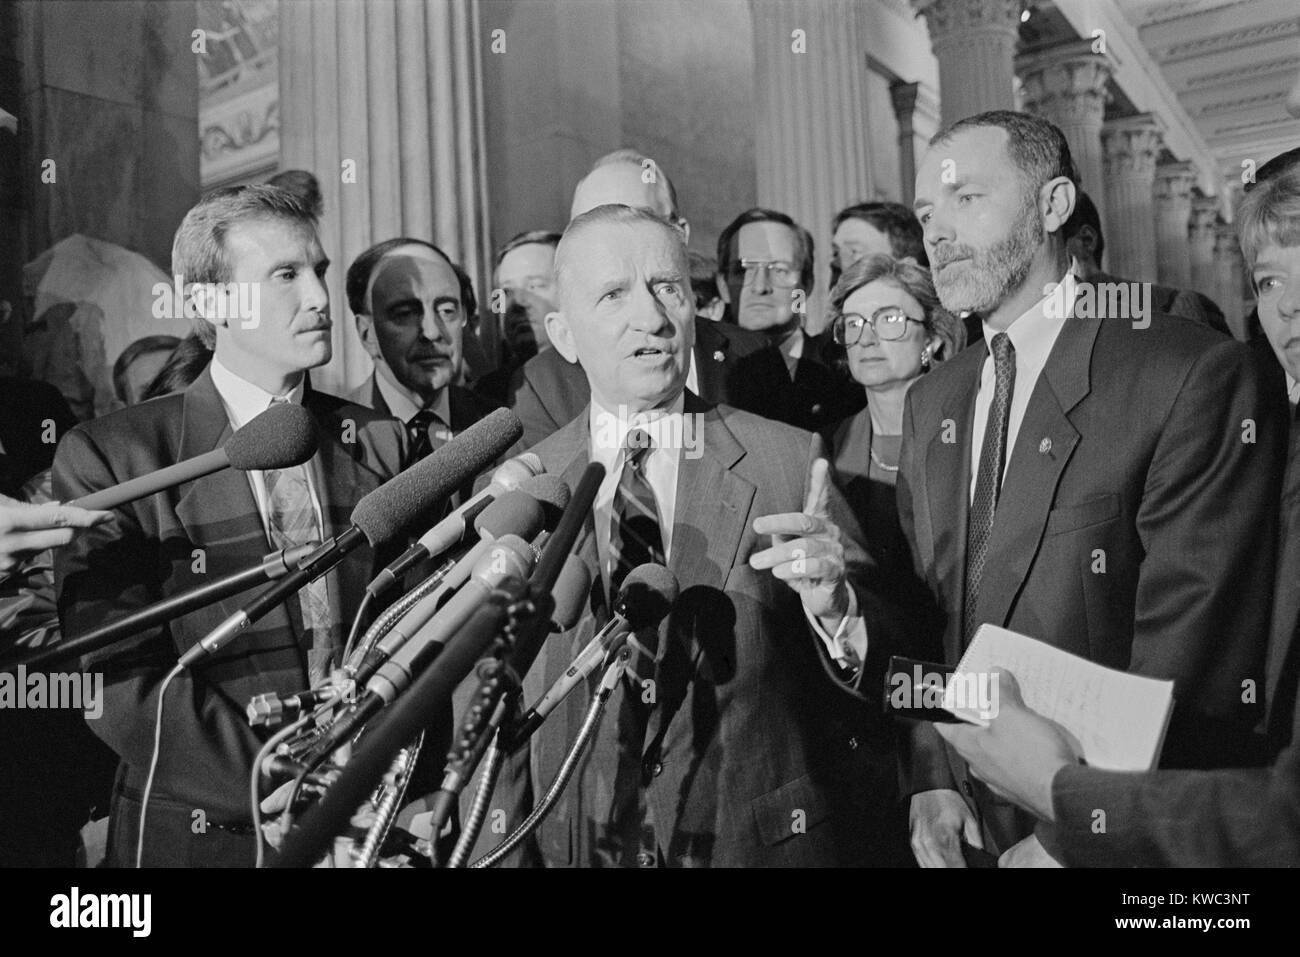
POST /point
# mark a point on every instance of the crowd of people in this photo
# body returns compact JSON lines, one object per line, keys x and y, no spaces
{"x":952,"y":450}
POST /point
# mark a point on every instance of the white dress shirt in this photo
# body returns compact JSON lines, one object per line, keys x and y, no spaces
{"x":403,"y":404}
{"x":244,"y":402}
{"x":791,"y":348}
{"x":607,"y":437}
{"x":1292,"y":390}
{"x":1032,"y":334}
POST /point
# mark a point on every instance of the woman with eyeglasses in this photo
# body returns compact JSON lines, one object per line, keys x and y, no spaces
{"x":887,"y":320}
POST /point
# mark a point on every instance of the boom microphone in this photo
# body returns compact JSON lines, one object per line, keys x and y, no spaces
{"x":281,"y":437}
{"x":381,"y":516}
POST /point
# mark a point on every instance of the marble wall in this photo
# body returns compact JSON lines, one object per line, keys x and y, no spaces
{"x":110,"y":95}
{"x":673,"y":79}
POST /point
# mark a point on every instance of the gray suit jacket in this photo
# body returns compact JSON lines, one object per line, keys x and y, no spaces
{"x":1135,"y":527}
{"x":756,"y":755}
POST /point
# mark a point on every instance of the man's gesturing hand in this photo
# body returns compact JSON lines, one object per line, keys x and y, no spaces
{"x":806,"y":552}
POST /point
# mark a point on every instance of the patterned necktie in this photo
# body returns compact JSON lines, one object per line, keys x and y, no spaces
{"x":426,"y":433}
{"x":292,"y":521}
{"x":988,"y":482}
{"x":635,"y":538}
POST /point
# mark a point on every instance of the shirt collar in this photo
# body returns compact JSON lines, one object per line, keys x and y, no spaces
{"x":1292,"y":389}
{"x":1034,"y":332}
{"x":243,"y":400}
{"x":403,"y":404}
{"x":608,"y":429}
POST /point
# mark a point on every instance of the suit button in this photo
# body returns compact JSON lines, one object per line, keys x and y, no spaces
{"x":645,"y":859}
{"x":853,"y":744}
{"x":658,"y":769}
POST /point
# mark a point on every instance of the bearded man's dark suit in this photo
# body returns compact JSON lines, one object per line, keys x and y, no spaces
{"x":1227,"y":818}
{"x":1135,"y":526}
{"x":176,"y":540}
{"x":733,"y":367}
{"x":755,"y":756}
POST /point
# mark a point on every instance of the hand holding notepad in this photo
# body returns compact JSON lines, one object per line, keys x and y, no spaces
{"x":1119,"y":719}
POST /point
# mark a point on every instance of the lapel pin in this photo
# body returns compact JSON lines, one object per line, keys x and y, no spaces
{"x":1045,"y":446}
{"x":718,"y":356}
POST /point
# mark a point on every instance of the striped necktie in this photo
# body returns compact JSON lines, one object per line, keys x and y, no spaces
{"x":635,"y":538}
{"x":292,"y":521}
{"x":988,"y":481}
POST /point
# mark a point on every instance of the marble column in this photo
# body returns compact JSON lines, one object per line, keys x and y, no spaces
{"x":1228,"y":271}
{"x":917,"y":111}
{"x":1173,"y":195}
{"x":1066,"y":84}
{"x":975,"y":44}
{"x":1200,"y":240}
{"x":1131,"y":146}
{"x":382,"y":101}
{"x":811,"y":138}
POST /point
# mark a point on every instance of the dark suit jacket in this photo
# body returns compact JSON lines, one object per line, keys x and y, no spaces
{"x":1185,"y":303}
{"x":28,"y":405}
{"x":1134,"y":453}
{"x":763,"y":761}
{"x":1225,"y":818}
{"x":465,"y":407}
{"x":734,"y":367}
{"x":823,"y":395}
{"x":175,"y":541}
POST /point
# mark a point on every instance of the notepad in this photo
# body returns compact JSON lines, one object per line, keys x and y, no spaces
{"x":1119,"y":719}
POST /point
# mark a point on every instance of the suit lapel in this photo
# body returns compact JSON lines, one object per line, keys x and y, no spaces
{"x":710,"y":359}
{"x":377,"y":402}
{"x":219,"y":511}
{"x":946,"y":471}
{"x":1044,"y":444}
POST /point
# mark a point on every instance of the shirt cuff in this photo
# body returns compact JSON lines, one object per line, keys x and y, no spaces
{"x":848,"y":645}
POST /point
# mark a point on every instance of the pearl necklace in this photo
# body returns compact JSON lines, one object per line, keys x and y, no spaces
{"x":875,"y":458}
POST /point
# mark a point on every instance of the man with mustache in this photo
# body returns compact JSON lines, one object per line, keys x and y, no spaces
{"x":411,"y":306}
{"x":252,"y":239}
{"x":1106,"y":488}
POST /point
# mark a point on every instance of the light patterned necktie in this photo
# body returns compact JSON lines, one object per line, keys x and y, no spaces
{"x":988,"y":482}
{"x":292,"y":521}
{"x":635,"y":538}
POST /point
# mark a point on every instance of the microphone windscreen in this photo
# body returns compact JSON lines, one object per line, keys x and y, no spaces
{"x":280,"y":438}
{"x":410,"y":499}
{"x":511,"y":513}
{"x":514,"y":472}
{"x":553,"y":495}
{"x":648,"y":594}
{"x":572,"y":591}
{"x":510,"y":555}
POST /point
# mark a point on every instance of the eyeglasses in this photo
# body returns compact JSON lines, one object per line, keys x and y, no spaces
{"x":889,"y":323}
{"x":781,"y":275}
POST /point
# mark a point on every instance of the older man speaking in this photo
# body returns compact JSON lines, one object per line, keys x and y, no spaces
{"x":728,"y":743}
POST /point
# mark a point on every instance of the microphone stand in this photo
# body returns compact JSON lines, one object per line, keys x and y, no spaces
{"x":274,"y":566}
{"x":586,"y":734}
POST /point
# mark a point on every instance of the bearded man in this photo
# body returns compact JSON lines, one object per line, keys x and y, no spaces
{"x":1100,"y":484}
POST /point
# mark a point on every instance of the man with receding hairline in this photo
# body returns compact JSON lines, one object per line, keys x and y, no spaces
{"x":726,"y":743}
{"x":728,"y":365}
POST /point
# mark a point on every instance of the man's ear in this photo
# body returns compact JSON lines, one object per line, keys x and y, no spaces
{"x":201,"y":302}
{"x":366,"y":333}
{"x":557,"y":328}
{"x":723,"y":292}
{"x":685,"y":227}
{"x":1058,"y":197}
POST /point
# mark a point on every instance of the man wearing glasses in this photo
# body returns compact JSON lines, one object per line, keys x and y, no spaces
{"x":765,"y":263}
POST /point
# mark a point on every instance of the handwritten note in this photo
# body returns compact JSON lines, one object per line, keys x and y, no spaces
{"x":1118,"y":718}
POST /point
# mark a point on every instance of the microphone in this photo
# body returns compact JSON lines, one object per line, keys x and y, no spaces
{"x":452,"y":529}
{"x":273,"y":566}
{"x":380,"y":517}
{"x":572,"y":593}
{"x":647,"y":596}
{"x":509,"y":559}
{"x":553,"y":495}
{"x":514,"y":513}
{"x":281,"y":437}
